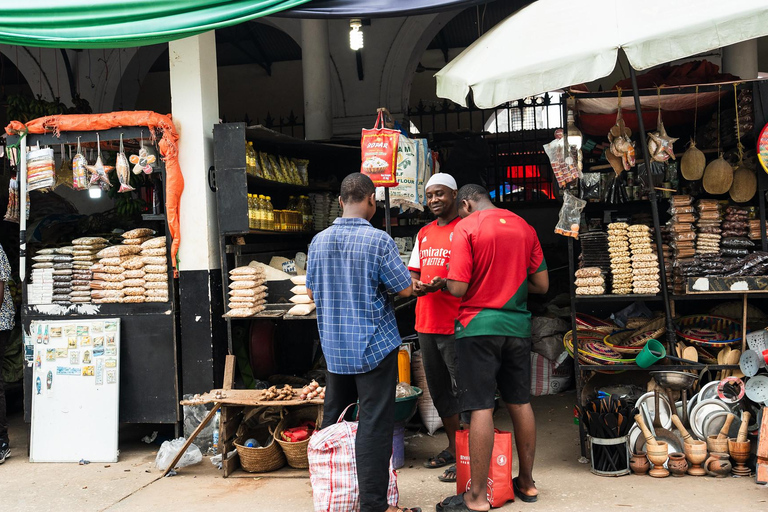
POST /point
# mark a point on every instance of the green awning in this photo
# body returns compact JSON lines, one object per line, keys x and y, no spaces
{"x":120,"y":23}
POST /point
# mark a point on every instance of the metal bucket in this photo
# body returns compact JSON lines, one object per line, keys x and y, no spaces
{"x":609,"y":457}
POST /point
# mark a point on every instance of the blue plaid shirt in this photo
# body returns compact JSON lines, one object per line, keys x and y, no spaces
{"x":350,"y":268}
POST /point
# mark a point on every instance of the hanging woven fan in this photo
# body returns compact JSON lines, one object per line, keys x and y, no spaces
{"x":693,"y":162}
{"x":718,"y":175}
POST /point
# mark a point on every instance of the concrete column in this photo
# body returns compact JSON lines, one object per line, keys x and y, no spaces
{"x":740,"y":59}
{"x":195,"y":109}
{"x":316,"y":63}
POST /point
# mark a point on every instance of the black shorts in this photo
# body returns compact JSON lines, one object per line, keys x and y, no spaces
{"x":485,"y":363}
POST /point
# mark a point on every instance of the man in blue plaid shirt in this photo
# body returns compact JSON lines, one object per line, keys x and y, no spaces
{"x":351,"y":268}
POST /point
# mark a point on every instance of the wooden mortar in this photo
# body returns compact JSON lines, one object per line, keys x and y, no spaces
{"x":658,"y":455}
{"x":740,"y":452}
{"x":696,"y":453}
{"x":717,"y":445}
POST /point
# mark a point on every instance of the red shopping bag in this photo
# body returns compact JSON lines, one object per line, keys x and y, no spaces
{"x":500,"y":473}
{"x":379,"y":150}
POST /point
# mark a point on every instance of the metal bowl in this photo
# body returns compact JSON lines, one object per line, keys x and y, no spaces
{"x":674,"y":380}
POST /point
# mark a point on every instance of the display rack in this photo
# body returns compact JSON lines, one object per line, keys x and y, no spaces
{"x":239,"y":244}
{"x":668,"y":299}
{"x":149,"y":376}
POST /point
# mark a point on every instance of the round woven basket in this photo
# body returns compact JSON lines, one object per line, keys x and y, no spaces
{"x":709,"y":331}
{"x":296,"y":453}
{"x":260,"y":460}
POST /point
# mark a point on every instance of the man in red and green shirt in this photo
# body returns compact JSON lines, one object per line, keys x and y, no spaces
{"x":496,"y":261}
{"x":436,"y":312}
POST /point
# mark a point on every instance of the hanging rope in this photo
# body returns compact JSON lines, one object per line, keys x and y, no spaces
{"x":739,"y":145}
{"x":56,"y":60}
{"x":719,"y":154}
{"x":695,"y":112}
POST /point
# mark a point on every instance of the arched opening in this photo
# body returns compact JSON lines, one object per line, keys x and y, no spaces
{"x":259,"y":70}
{"x":12,"y":85}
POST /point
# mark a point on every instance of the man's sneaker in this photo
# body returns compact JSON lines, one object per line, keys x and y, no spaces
{"x":5,"y":452}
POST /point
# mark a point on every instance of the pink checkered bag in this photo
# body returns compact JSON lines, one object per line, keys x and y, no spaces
{"x":333,"y":469}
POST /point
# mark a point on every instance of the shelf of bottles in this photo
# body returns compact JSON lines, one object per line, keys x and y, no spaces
{"x":296,"y":218}
{"x":276,"y":169}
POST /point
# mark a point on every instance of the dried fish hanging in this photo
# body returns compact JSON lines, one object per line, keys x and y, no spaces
{"x":693,"y":162}
{"x":744,"y":184}
{"x":123,"y":169}
{"x":718,"y":175}
{"x":79,"y":163}
{"x":621,"y":152}
{"x":660,"y":145}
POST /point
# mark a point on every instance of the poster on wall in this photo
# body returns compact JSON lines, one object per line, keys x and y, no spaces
{"x":75,"y":390}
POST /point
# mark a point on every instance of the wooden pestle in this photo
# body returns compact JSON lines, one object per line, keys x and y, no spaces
{"x":726,"y":427}
{"x":647,"y":433}
{"x":744,"y":426}
{"x":679,"y":424}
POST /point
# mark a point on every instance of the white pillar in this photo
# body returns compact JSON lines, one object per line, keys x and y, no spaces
{"x":195,"y":108}
{"x":740,"y":59}
{"x":316,"y":64}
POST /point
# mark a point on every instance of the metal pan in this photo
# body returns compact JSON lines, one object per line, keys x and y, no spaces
{"x":700,"y":412}
{"x":714,"y":421}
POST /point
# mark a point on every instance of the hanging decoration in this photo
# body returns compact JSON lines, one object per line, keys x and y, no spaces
{"x":621,"y":146}
{"x":659,"y":143}
{"x":99,"y":170}
{"x":143,"y":161}
{"x":123,"y":169}
{"x":693,"y":162}
{"x":718,"y":175}
{"x":79,"y":163}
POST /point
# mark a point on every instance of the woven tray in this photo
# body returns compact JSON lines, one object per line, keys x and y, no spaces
{"x":708,"y":331}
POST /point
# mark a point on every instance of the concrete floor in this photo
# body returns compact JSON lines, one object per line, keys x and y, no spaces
{"x":565,"y":485}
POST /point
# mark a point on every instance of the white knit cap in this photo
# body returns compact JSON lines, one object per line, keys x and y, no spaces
{"x":442,"y":178}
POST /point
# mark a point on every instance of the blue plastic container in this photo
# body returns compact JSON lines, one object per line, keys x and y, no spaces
{"x":398,"y":445}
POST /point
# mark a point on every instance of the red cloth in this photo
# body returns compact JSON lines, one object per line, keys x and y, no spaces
{"x":495,"y":251}
{"x":688,"y":73}
{"x":168,"y":145}
{"x":435,"y":312}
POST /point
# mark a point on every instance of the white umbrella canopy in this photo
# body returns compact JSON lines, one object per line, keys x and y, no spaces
{"x":552,"y":44}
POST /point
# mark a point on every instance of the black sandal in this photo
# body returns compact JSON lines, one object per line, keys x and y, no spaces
{"x":453,"y":504}
{"x":445,"y":478}
{"x":442,"y":459}
{"x":525,"y":498}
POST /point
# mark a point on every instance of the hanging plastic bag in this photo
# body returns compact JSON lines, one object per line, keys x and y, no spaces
{"x":500,"y":488}
{"x":13,"y":212}
{"x":379,"y":148}
{"x":570,"y":216}
{"x":566,"y":167}
{"x":406,"y":193}
{"x":79,"y":174}
{"x":41,"y":169}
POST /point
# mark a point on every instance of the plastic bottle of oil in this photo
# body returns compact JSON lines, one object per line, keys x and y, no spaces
{"x":262,"y":212}
{"x":270,"y":214}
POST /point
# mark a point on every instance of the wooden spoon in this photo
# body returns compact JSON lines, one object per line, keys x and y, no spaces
{"x":679,"y":425}
{"x":726,"y":427}
{"x":743,"y":428}
{"x":644,"y":428}
{"x":731,"y":358}
{"x":721,"y":360}
{"x":690,"y":354}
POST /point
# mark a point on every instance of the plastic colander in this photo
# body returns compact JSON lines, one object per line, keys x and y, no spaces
{"x":757,"y":389}
{"x":750,"y":363}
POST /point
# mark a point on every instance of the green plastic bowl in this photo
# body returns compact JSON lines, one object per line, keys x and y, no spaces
{"x":405,"y":408}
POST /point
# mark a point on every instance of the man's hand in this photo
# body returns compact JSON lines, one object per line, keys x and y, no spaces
{"x":437,"y":284}
{"x":418,"y":288}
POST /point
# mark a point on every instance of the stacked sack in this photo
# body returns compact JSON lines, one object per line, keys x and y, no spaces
{"x":736,"y":229}
{"x":590,"y":281}
{"x":40,"y":289}
{"x":62,"y":276}
{"x":708,"y":227}
{"x":154,"y":256}
{"x":247,"y":292}
{"x":108,"y":285}
{"x":618,"y":248}
{"x":304,"y":305}
{"x":84,"y":251}
{"x":645,"y":262}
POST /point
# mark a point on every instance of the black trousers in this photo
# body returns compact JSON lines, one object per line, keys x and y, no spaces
{"x":373,"y":446}
{"x":4,"y":335}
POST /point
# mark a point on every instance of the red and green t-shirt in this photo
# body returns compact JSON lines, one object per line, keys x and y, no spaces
{"x":435,"y":312}
{"x":494,"y":251}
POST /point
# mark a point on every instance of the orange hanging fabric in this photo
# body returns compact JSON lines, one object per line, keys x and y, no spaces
{"x":168,"y":145}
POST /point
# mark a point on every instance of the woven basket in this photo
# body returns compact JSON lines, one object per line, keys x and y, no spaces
{"x":728,"y":331}
{"x":589,"y":322}
{"x":260,"y":460}
{"x":296,"y":453}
